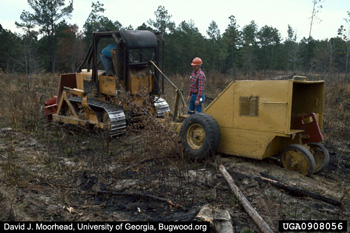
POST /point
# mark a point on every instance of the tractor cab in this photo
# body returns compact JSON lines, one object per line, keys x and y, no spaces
{"x":132,"y":69}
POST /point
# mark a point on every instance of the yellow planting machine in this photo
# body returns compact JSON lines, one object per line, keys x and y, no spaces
{"x":260,"y":119}
{"x":254,"y":119}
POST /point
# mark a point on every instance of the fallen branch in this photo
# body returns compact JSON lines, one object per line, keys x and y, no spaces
{"x":168,"y":201}
{"x":264,"y":227}
{"x":296,"y":191}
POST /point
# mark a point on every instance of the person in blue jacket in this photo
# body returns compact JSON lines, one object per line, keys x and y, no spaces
{"x":107,"y":59}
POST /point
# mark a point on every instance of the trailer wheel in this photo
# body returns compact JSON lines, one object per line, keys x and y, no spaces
{"x":298,"y":158}
{"x":320,"y":154}
{"x":200,"y":135}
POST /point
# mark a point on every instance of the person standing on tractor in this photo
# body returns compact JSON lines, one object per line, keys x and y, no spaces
{"x":107,"y":59}
{"x":196,"y":91}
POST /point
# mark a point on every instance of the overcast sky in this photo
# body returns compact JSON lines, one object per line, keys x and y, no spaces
{"x":275,"y":13}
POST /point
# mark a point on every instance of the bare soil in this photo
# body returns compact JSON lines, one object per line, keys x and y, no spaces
{"x":67,"y":174}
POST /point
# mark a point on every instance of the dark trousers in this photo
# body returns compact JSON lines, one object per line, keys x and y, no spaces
{"x":107,"y":64}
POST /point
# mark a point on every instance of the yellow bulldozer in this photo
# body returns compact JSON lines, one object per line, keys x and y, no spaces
{"x":92,"y":97}
{"x":254,"y":119}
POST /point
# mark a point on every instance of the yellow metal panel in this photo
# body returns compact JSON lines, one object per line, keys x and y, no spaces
{"x":107,"y":85}
{"x":87,"y":76}
{"x":272,"y":111}
{"x":254,"y":144}
{"x":222,"y":107}
{"x":273,"y":100}
{"x":140,"y":79}
{"x":246,"y":143}
{"x":80,"y":80}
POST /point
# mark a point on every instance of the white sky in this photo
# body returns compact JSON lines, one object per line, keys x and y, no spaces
{"x":275,"y":13}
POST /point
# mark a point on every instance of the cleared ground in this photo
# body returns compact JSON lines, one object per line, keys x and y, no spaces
{"x":51,"y":172}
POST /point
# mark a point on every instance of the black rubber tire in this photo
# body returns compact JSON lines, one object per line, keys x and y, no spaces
{"x":318,"y":147}
{"x":212,"y":135}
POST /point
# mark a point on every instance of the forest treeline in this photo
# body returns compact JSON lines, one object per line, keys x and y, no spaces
{"x":49,"y":43}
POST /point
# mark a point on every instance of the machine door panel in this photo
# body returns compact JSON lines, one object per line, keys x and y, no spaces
{"x":263,"y":106}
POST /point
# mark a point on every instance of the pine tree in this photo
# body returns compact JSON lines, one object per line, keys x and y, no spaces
{"x":47,"y":15}
{"x":163,"y":22}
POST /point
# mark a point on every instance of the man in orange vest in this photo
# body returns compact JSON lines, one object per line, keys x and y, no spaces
{"x":196,"y":90}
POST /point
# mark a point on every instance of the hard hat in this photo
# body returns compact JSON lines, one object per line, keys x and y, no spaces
{"x":196,"y":61}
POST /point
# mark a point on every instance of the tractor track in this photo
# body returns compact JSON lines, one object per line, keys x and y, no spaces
{"x":117,"y":118}
{"x":115,"y":113}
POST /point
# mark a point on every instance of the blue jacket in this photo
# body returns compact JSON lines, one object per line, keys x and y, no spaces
{"x":106,"y":51}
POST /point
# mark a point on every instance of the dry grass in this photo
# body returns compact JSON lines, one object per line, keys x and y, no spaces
{"x":22,"y":99}
{"x":337,"y":113}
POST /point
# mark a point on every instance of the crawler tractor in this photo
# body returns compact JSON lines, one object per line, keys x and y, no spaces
{"x":91,"y":97}
{"x":254,"y":119}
